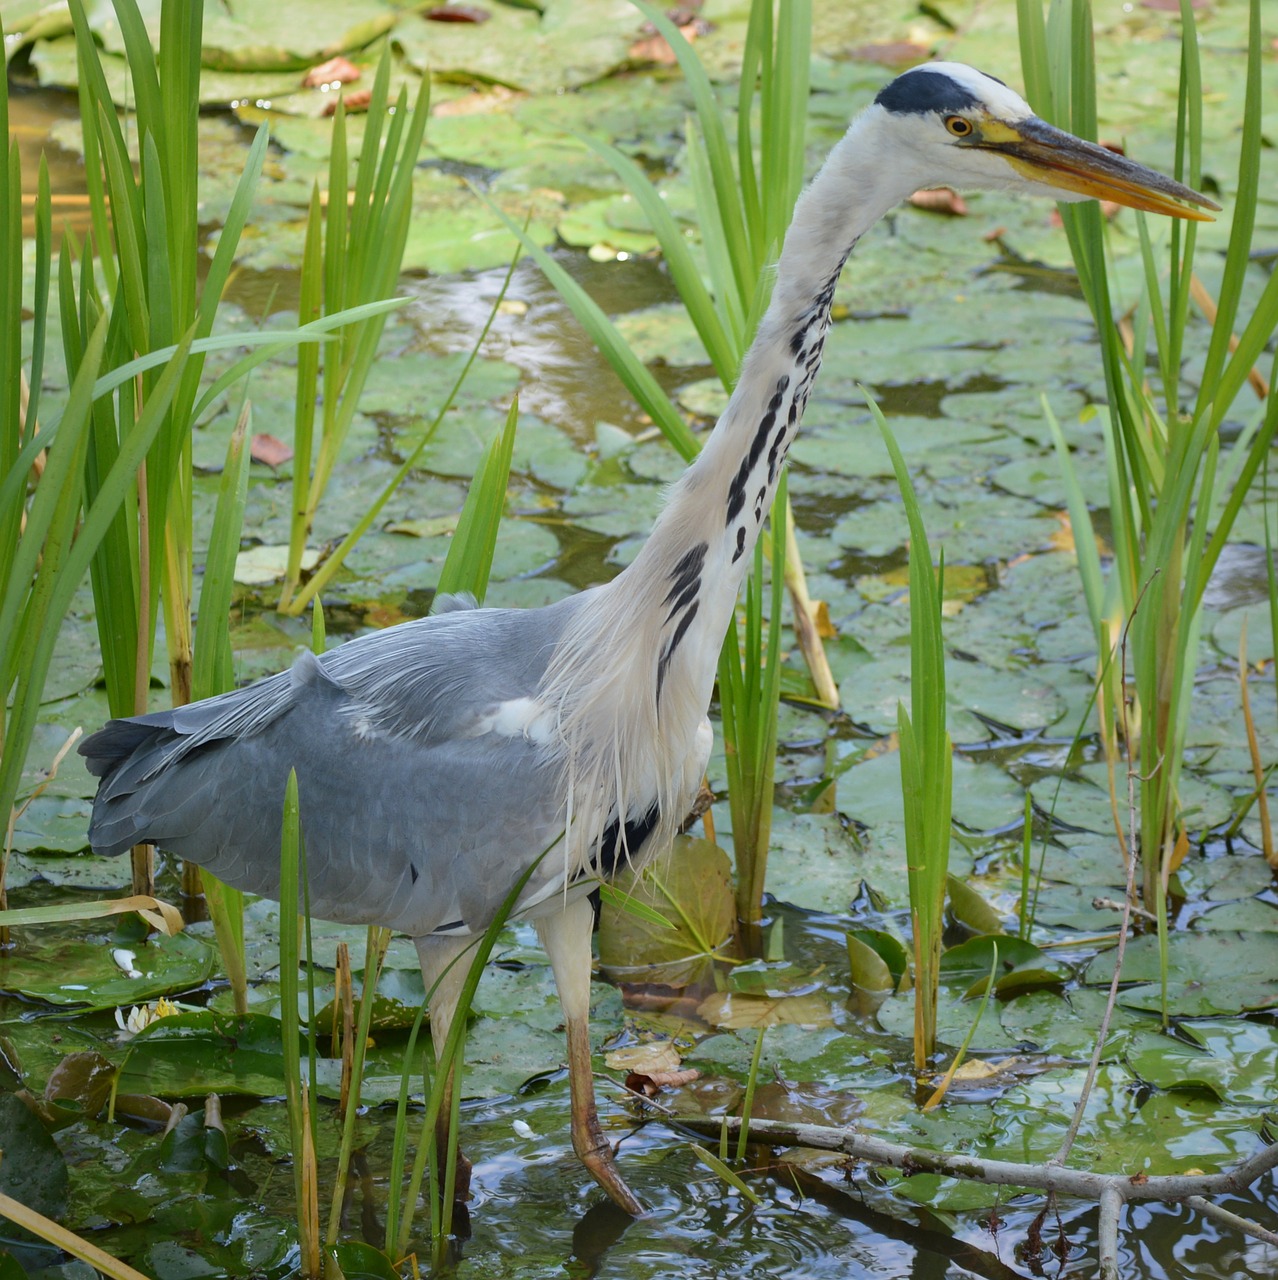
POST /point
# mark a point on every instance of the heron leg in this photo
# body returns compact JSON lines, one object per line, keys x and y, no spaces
{"x":436,"y":954}
{"x":566,"y":938}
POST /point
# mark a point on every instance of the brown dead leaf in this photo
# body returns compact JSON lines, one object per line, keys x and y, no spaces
{"x":649,"y":1085}
{"x":1062,"y":539}
{"x":883,"y":747}
{"x":471,"y":13}
{"x":357,"y":101}
{"x":977,"y":1069}
{"x":735,"y":1009}
{"x":142,"y":1109}
{"x":650,"y":1057}
{"x":820,"y":612}
{"x":795,"y":1102}
{"x":654,"y":48}
{"x":894,"y":54}
{"x":940,"y":200}
{"x":269,"y":450}
{"x":83,"y":1080}
{"x":492,"y":99}
{"x":337,"y":70}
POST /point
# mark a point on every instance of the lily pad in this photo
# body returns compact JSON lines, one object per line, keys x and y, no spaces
{"x":1066,"y":1023}
{"x":35,"y":1174}
{"x":1204,"y":977}
{"x":733,"y":1010}
{"x":879,"y":960}
{"x":972,"y":911}
{"x":57,"y":824}
{"x":193,"y":1054}
{"x":564,"y":46}
{"x":85,"y":973}
{"x":1161,"y":1061}
{"x":954,"y":1019}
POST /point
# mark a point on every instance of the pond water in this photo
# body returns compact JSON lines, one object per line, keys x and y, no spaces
{"x":957,"y":334}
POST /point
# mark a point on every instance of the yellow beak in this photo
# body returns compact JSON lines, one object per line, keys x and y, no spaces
{"x":1045,"y":154}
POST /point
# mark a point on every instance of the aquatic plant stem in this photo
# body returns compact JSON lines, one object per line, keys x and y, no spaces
{"x":1124,"y":929}
{"x":1253,"y":750}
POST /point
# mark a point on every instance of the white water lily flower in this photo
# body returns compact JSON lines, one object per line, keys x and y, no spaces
{"x":142,"y":1015}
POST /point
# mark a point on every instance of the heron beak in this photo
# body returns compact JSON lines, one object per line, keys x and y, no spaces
{"x":1045,"y":154}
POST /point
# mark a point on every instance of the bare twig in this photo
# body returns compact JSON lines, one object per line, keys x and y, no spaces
{"x":1209,"y":1209}
{"x":1108,"y":904}
{"x":1111,"y":1208}
{"x":1085,"y":1185}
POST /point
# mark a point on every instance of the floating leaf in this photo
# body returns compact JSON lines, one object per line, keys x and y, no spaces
{"x":970,"y":909}
{"x":84,"y":973}
{"x":1204,"y":977}
{"x":1168,"y":1064}
{"x":732,"y":1010}
{"x":35,"y":1170}
{"x":879,"y":960}
{"x":80,"y":1085}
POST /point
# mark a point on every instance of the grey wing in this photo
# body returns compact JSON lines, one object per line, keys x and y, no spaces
{"x":422,"y":799}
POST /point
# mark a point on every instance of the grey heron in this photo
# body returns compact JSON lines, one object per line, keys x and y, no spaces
{"x":439,"y":758}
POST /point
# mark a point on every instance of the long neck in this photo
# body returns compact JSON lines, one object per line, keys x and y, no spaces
{"x":705,"y":536}
{"x":631,"y":678}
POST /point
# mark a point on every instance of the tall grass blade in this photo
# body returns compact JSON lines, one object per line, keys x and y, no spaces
{"x":470,"y":554}
{"x":926,"y":761}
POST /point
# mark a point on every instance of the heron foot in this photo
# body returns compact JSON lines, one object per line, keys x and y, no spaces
{"x":597,"y":1154}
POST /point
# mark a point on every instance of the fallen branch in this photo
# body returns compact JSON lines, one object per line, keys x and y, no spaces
{"x":1110,"y":1190}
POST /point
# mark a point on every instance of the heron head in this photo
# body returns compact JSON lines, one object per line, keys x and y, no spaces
{"x":966,"y":128}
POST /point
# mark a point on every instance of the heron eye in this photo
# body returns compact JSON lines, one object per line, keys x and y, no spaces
{"x":959,"y":126}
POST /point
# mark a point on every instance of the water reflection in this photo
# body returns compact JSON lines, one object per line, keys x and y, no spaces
{"x":566,"y":380}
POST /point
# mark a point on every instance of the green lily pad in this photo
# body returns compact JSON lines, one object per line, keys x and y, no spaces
{"x":814,"y":861}
{"x":35,"y":1174}
{"x":954,"y":1019}
{"x":192,"y":1054}
{"x":86,"y":973}
{"x":1249,"y":1051}
{"x":564,"y":46}
{"x":1066,"y":1023}
{"x":972,"y":911}
{"x":664,"y":332}
{"x":1204,"y":977}
{"x":607,"y":225}
{"x":879,"y":960}
{"x":1251,"y":915}
{"x":1163,"y":1062}
{"x":56,"y":824}
{"x":975,"y":958}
